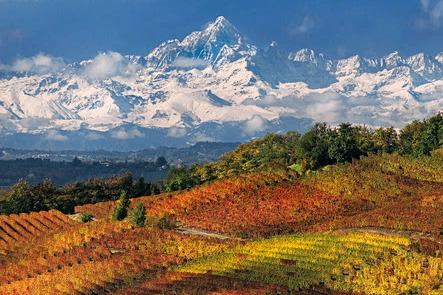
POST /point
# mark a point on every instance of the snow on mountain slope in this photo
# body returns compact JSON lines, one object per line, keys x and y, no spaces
{"x":212,"y":85}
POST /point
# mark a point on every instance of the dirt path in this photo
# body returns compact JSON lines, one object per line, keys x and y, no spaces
{"x":375,"y":230}
{"x":195,"y":231}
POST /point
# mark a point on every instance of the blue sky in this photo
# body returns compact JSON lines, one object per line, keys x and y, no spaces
{"x":79,"y":29}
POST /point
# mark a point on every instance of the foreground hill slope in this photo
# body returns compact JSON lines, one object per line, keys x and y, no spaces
{"x":373,"y":226}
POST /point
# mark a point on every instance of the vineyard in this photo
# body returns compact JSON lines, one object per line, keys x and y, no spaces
{"x":353,"y":262}
{"x":373,"y":226}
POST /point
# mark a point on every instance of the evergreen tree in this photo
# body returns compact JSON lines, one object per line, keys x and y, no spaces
{"x":121,"y":211}
{"x":138,"y":214}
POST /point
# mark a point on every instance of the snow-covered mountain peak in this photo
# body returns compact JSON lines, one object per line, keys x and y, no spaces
{"x":439,"y":57}
{"x":307,"y":55}
{"x":222,"y":24}
{"x":303,"y":55}
{"x":426,"y":66}
{"x":219,"y":33}
{"x":393,"y":60}
{"x":218,"y":43}
{"x":213,"y":85}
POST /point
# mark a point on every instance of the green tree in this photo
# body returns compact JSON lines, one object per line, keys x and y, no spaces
{"x":364,"y":138}
{"x":432,"y":135}
{"x":20,"y":199}
{"x":409,"y":138}
{"x":154,"y":189}
{"x":45,"y":195}
{"x":178,"y":179}
{"x":342,"y":144}
{"x":138,"y":214}
{"x":312,"y":148}
{"x":141,"y":188}
{"x":385,"y":139}
{"x":121,"y":211}
{"x":117,"y":183}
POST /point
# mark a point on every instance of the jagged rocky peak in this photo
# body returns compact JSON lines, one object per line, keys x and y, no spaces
{"x":309,"y":56}
{"x":218,"y":43}
{"x":219,"y":33}
{"x":273,"y":49}
{"x":426,"y":66}
{"x":393,"y":60}
{"x":136,"y":59}
{"x":439,"y":57}
{"x":418,"y":60}
{"x":304,"y":55}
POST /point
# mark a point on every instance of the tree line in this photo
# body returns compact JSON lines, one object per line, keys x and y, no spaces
{"x":37,"y":170}
{"x":320,"y":146}
{"x":24,"y":197}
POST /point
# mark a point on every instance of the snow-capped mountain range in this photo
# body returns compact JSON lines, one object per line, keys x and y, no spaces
{"x":213,"y":85}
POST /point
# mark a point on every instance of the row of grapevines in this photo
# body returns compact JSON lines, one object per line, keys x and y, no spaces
{"x":15,"y":229}
{"x":355,"y":262}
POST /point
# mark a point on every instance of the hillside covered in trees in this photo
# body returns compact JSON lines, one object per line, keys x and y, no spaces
{"x":318,"y":147}
{"x":344,"y":210}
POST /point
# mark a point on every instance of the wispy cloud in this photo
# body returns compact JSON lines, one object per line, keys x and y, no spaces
{"x":127,"y":134}
{"x":108,"y":65}
{"x":39,"y":64}
{"x":177,"y":132}
{"x":93,"y":136}
{"x":432,"y":14}
{"x":327,"y":106}
{"x":254,"y":125}
{"x":202,"y":137}
{"x":425,"y":5}
{"x":306,"y":25}
{"x":55,"y":135}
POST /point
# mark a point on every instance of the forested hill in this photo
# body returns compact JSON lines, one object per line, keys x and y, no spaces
{"x":320,"y":146}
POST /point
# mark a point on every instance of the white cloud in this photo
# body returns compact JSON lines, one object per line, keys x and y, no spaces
{"x":108,"y":65}
{"x":264,"y":102}
{"x":123,"y":134}
{"x":40,"y":64}
{"x":437,"y":13}
{"x":306,"y":25}
{"x":177,"y":132}
{"x":94,"y":136}
{"x":55,"y":135}
{"x":425,"y":5}
{"x":325,"y":107}
{"x":255,"y":124}
{"x":433,"y":11}
{"x":202,"y":137}
{"x":184,"y":62}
